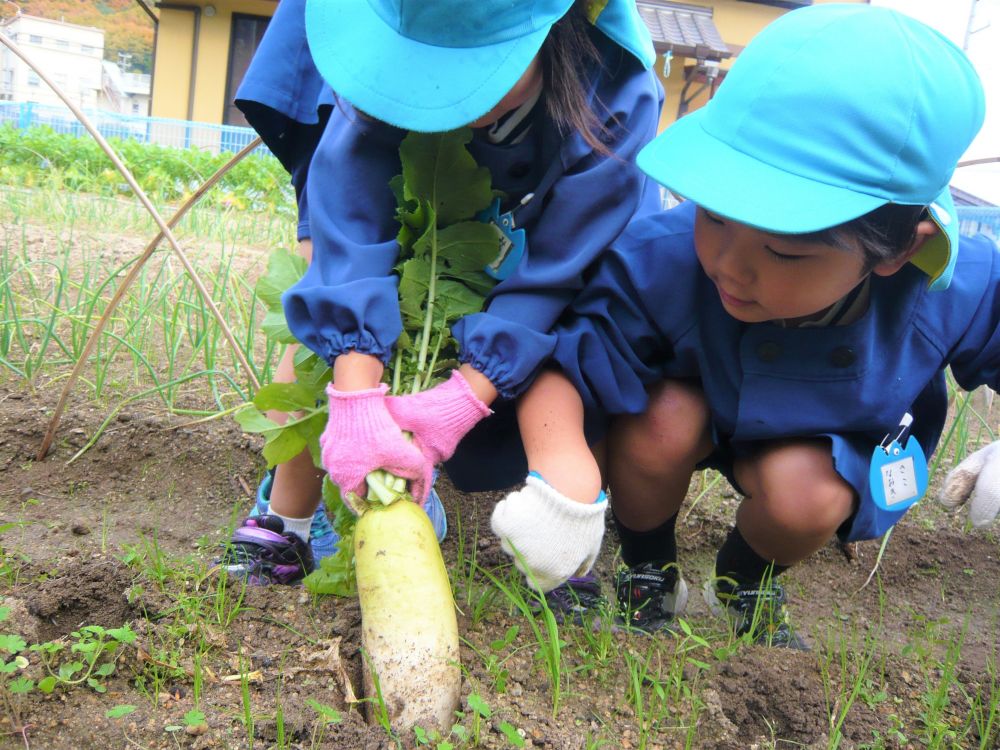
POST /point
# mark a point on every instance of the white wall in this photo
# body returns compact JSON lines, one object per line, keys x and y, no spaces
{"x":69,"y":54}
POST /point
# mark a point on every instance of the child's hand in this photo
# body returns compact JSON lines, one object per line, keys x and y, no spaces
{"x":361,"y":437}
{"x":439,"y":417}
{"x":978,"y":478}
{"x":555,"y":537}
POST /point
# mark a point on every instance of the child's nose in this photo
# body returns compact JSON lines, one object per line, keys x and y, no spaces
{"x":732,"y":263}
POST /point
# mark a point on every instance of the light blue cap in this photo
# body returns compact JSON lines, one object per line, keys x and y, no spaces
{"x":830,"y":112}
{"x":434,"y":65}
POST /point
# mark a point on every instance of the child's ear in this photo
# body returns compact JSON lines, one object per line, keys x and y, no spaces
{"x":925,"y":230}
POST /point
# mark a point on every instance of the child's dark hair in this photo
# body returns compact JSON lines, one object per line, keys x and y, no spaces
{"x":882,"y":234}
{"x":567,"y":56}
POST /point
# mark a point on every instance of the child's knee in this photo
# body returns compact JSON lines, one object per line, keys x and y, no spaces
{"x":672,"y":431}
{"x":798,"y":489}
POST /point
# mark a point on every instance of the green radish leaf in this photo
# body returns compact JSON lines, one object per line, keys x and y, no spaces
{"x":275,"y":327}
{"x":283,"y":269}
{"x":414,"y":281}
{"x":287,"y":397}
{"x":439,"y":168}
{"x":455,"y":300}
{"x":4,"y":611}
{"x":312,"y":372}
{"x":119,"y":711}
{"x":194,"y":717}
{"x":282,"y":447}
{"x":105,"y":669}
{"x":8,"y":667}
{"x":252,"y":420}
{"x":469,"y":247}
{"x":47,"y":684}
{"x":96,"y":686}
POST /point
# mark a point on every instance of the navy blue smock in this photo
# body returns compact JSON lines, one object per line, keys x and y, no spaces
{"x":650,"y":313}
{"x":285,"y":99}
{"x":348,"y":298}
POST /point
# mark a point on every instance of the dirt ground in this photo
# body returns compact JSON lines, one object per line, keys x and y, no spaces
{"x":125,"y":535}
{"x":154,"y":484}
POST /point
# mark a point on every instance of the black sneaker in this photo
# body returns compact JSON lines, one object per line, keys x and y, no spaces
{"x":650,"y":596}
{"x":758,"y":611}
{"x":578,"y":600}
{"x":262,"y":553}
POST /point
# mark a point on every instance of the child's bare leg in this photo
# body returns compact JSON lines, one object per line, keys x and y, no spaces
{"x":652,"y":456}
{"x":550,"y":416}
{"x":795,"y":500}
{"x":298,"y":484}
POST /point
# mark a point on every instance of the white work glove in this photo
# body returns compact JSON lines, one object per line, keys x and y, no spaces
{"x":976,"y":479}
{"x":557,"y":538}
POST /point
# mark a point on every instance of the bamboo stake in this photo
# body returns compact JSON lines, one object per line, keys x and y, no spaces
{"x":164,"y":233}
{"x":132,"y":275}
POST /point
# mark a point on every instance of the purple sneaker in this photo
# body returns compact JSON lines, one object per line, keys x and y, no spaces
{"x":578,"y":600}
{"x":262,"y":553}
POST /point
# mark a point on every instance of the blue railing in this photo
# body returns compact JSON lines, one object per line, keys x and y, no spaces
{"x":973,"y":220}
{"x":159,"y":130}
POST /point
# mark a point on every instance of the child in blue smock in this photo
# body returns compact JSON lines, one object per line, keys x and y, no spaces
{"x":789,"y":324}
{"x":560,"y":102}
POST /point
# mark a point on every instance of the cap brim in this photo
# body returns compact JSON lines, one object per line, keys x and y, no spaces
{"x":696,"y":165}
{"x":405,"y":83}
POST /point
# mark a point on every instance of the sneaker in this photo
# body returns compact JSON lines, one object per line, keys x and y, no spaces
{"x":758,"y":611}
{"x":650,"y":596}
{"x":262,"y":553}
{"x":322,"y":538}
{"x":435,"y":511}
{"x":577,"y":600}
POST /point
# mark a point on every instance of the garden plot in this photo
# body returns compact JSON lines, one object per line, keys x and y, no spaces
{"x":128,"y":639}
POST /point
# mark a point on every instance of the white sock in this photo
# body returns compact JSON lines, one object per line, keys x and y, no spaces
{"x":297,"y":526}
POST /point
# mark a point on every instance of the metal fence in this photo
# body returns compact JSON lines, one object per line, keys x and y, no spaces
{"x":973,"y":220}
{"x":159,"y":130}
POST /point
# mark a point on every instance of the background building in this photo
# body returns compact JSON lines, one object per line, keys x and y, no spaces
{"x":71,"y":55}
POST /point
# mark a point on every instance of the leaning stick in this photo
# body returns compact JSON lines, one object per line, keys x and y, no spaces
{"x":164,"y":233}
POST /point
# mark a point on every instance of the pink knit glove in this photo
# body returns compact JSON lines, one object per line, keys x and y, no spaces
{"x":361,"y":437}
{"x":439,"y":417}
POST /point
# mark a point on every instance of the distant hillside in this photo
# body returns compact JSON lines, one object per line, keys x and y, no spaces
{"x":126,"y":27}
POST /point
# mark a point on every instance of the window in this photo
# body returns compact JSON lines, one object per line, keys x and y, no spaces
{"x":35,"y":38}
{"x":60,"y":80}
{"x":62,"y":43}
{"x":87,"y":49}
{"x":33,"y":79}
{"x":136,"y":107}
{"x":246,"y":35}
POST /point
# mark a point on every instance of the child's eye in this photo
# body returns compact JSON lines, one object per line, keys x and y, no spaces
{"x":782,"y":257}
{"x":711,"y":217}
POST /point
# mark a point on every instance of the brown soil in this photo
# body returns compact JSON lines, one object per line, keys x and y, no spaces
{"x":124,"y":534}
{"x":151,"y":484}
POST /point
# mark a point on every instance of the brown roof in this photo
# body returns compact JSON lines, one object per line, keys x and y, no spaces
{"x":684,"y":29}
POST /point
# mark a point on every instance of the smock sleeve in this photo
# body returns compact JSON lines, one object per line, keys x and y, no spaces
{"x":975,"y":359}
{"x":282,"y":92}
{"x":348,"y":299}
{"x":567,"y":225}
{"x":625,"y":328}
